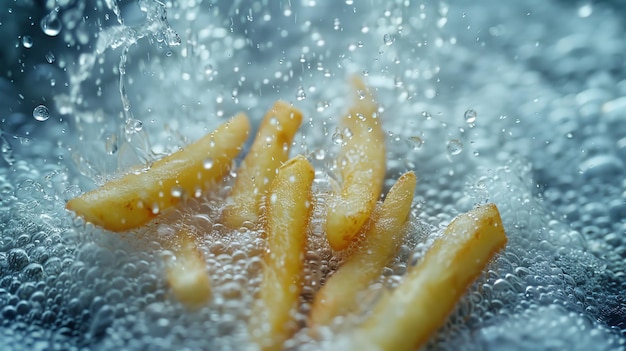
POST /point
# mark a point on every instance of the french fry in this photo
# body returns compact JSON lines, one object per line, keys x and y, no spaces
{"x":420,"y":304}
{"x":379,"y":246}
{"x":288,"y":208}
{"x":188,"y":275}
{"x":136,"y":198}
{"x":361,"y":164}
{"x":269,"y":150}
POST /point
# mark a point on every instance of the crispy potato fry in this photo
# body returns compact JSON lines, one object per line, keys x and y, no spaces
{"x":188,"y":275}
{"x":381,"y":242}
{"x":136,"y":198}
{"x":288,"y":208}
{"x":269,"y":150}
{"x":361,"y":164}
{"x":408,"y":317}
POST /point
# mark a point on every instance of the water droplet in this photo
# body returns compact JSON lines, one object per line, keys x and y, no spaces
{"x":50,"y":57}
{"x":110,"y":144}
{"x":320,"y":154}
{"x":416,"y":142}
{"x":322,"y":105}
{"x":41,"y":113}
{"x":481,"y":183}
{"x":27,"y":41}
{"x":207,"y":163}
{"x":337,"y":137}
{"x":6,"y":150}
{"x":133,"y":126}
{"x":470,"y":116}
{"x":454,"y":147}
{"x":51,"y":25}
{"x":388,"y":39}
{"x":300,"y":94}
{"x":171,"y":37}
{"x":361,"y":94}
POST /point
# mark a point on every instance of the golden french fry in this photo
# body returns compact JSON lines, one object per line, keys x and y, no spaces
{"x":420,"y":304}
{"x":269,"y":150}
{"x":188,"y":275}
{"x":288,"y":208}
{"x":381,"y":242}
{"x":136,"y":198}
{"x":361,"y":164}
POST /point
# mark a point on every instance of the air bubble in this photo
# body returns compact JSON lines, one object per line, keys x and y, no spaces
{"x":41,"y":113}
{"x":454,"y":147}
{"x":18,"y":259}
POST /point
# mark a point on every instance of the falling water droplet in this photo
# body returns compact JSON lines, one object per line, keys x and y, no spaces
{"x":171,"y":37}
{"x":41,"y":113}
{"x":416,"y":142}
{"x":208,"y":163}
{"x":337,"y":137}
{"x":470,"y":116}
{"x":6,"y":150}
{"x":133,"y":126}
{"x":110,"y":144}
{"x":361,"y":94}
{"x":51,"y":25}
{"x":300,"y":94}
{"x":455,"y":147}
{"x":50,"y":57}
{"x":322,"y":105}
{"x":208,"y":69}
{"x":388,"y":39}
{"x":27,"y":41}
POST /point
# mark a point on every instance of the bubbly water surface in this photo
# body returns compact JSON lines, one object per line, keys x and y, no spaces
{"x":520,"y":103}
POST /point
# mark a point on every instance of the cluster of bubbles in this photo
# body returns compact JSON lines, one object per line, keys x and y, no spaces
{"x":531,"y":122}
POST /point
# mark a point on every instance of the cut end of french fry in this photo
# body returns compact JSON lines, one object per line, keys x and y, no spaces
{"x":268,"y":151}
{"x":361,"y":164}
{"x":288,"y":210}
{"x":421,"y":303}
{"x":378,"y":247}
{"x":136,"y":198}
{"x":188,"y":275}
